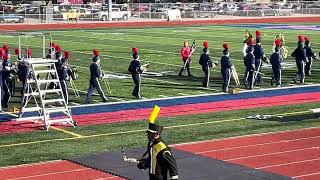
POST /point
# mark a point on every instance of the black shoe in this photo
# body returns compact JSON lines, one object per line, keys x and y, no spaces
{"x":180,"y":75}
{"x":190,"y":75}
{"x":271,"y":82}
{"x":294,"y":80}
{"x":105,"y":100}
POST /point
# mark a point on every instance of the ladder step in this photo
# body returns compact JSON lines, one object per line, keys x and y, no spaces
{"x":50,"y":91}
{"x":32,"y":94}
{"x":42,"y":65}
{"x":45,"y":71}
{"x":30,"y":81}
{"x":30,"y":118}
{"x":56,"y":109}
{"x":48,"y":81}
{"x":52,"y":101}
{"x":59,"y":120}
{"x":31,"y":109}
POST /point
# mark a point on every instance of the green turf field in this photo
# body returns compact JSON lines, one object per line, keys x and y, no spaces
{"x":161,"y":48}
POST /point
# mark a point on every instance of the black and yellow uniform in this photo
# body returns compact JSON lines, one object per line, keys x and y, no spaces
{"x":160,"y":161}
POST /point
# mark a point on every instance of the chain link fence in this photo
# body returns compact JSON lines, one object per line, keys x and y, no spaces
{"x":136,"y":11}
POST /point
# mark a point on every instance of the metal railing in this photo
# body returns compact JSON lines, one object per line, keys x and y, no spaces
{"x":82,"y":12}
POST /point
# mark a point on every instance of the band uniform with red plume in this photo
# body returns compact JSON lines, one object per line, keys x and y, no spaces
{"x":250,"y":42}
{"x":135,"y":50}
{"x":226,"y":48}
{"x":300,"y":38}
{"x":258,"y":36}
{"x":206,"y":44}
{"x":278,"y":42}
{"x":17,"y":52}
{"x":96,"y":52}
{"x":29,"y":52}
{"x":67,"y":54}
{"x":6,"y":48}
{"x":307,"y":39}
{"x":58,"y":48}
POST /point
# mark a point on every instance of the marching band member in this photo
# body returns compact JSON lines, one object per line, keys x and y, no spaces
{"x":206,"y":63}
{"x":247,"y":38}
{"x":136,"y":70}
{"x":6,"y":49}
{"x":158,"y":158}
{"x":186,"y":53}
{"x":95,"y":74}
{"x":226,"y":65}
{"x":23,"y":68}
{"x":276,"y":59}
{"x":62,"y":71}
{"x":259,"y":56}
{"x":301,"y":57}
{"x":6,"y":70}
{"x":29,"y":53}
{"x":250,"y":65}
{"x":283,"y":49}
{"x":310,"y":56}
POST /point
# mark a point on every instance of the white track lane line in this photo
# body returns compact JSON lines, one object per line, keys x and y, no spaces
{"x":285,"y":164}
{"x":306,"y":175}
{"x":268,"y":154}
{"x":244,"y":136}
{"x":259,"y":144}
{"x":112,"y":177}
{"x":48,"y":174}
{"x":31,"y":164}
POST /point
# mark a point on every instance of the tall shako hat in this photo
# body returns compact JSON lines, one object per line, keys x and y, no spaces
{"x":96,"y":54}
{"x":278,"y":44}
{"x":6,"y":47}
{"x":226,"y":48}
{"x":135,"y":53}
{"x":307,"y":40}
{"x":300,"y":40}
{"x":205,"y":46}
{"x":258,"y":36}
{"x":250,"y":44}
{"x":152,"y":127}
{"x":29,"y":52}
{"x":67,"y":54}
{"x":17,"y":51}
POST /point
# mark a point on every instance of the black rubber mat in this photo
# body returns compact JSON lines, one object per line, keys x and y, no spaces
{"x":190,"y":166}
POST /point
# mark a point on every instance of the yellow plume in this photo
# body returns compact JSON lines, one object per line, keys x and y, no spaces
{"x":154,"y":114}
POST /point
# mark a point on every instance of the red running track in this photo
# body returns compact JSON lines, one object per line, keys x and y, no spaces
{"x":171,"y":111}
{"x":53,"y":170}
{"x":292,"y":153}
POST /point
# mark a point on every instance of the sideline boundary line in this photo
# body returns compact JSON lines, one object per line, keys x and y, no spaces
{"x":134,"y":131}
{"x":67,"y":132}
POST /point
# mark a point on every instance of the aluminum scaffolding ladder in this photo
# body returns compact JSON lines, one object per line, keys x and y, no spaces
{"x":38,"y":79}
